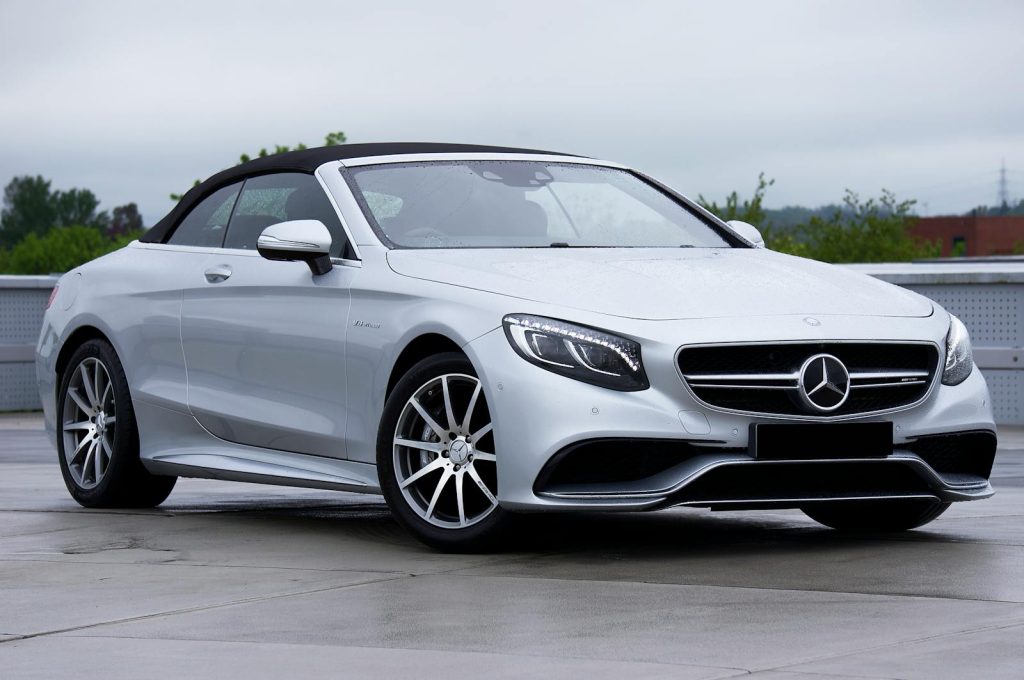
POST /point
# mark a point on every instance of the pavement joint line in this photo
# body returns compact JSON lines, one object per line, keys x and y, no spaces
{"x":256,"y":509}
{"x":821,"y":674}
{"x":899,"y":643}
{"x":175,"y":563}
{"x":893,"y":596}
{"x":733,"y":671}
{"x":198,"y":608}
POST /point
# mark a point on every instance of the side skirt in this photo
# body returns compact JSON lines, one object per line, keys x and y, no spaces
{"x":175,"y":443}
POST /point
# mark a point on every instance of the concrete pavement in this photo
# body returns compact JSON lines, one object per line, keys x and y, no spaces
{"x":251,"y":581}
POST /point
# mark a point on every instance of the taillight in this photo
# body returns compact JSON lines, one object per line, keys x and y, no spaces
{"x":53,"y":295}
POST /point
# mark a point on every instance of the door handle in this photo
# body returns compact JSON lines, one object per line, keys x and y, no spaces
{"x":217,"y":274}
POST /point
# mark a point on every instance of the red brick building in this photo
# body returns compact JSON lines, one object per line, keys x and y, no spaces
{"x":980,"y":235}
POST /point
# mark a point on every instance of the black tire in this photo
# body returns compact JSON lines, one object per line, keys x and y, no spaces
{"x":125,"y":483}
{"x":477,"y":537}
{"x":875,"y":516}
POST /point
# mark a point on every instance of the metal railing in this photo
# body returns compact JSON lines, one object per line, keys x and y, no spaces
{"x":988,"y":296}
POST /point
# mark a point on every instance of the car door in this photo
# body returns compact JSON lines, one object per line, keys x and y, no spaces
{"x":264,"y":341}
{"x":145,"y":301}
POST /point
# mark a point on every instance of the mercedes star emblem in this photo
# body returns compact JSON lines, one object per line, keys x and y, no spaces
{"x":824,"y":383}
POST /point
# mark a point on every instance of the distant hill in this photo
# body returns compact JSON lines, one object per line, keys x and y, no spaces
{"x":793,"y":215}
{"x":988,"y":210}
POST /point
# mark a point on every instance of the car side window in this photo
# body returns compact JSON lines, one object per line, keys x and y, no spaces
{"x":269,"y":199}
{"x":206,"y":223}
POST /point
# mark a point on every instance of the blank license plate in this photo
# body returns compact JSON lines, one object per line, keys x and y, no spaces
{"x":805,"y":441}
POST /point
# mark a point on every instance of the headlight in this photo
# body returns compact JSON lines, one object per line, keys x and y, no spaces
{"x":959,"y":358}
{"x":578,"y":352}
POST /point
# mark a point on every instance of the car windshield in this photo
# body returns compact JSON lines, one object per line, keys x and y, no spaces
{"x":524,"y":204}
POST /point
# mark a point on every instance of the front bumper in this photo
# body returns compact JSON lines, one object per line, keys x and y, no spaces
{"x":538,"y":414}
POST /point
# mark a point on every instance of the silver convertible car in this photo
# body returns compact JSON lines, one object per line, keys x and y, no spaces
{"x":476,"y":332}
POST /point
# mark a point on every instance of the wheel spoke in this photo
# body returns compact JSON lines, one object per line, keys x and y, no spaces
{"x":437,"y":492}
{"x":90,"y":393}
{"x":458,"y":497}
{"x":448,"y":411}
{"x":483,"y":455}
{"x":88,"y":461}
{"x":106,"y":447}
{"x":110,"y":420}
{"x":106,"y":392}
{"x":472,"y":405}
{"x":81,"y":403}
{"x":483,"y":487}
{"x":78,"y":449}
{"x":482,"y":432}
{"x":81,"y":425}
{"x":96,"y":383}
{"x":435,"y":447}
{"x":431,"y":423}
{"x":426,"y":469}
{"x":97,"y":462}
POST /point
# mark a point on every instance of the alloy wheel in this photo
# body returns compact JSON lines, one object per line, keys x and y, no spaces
{"x":444,"y":457}
{"x":89,"y":423}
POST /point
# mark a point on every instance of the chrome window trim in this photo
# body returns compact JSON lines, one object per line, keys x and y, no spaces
{"x":233,"y":252}
{"x":475,"y":156}
{"x":201,"y":250}
{"x":936,"y":378}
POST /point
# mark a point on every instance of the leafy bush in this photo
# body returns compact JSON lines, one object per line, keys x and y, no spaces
{"x":875,"y":230}
{"x":59,"y":250}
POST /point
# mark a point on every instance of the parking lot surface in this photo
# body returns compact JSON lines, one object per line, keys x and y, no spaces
{"x":239,"y":580}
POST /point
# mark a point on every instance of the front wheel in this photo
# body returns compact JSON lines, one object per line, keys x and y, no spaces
{"x":875,"y":516}
{"x":436,"y":457}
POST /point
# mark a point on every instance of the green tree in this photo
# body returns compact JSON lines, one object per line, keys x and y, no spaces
{"x":330,"y":139}
{"x":27,"y":208}
{"x":752,"y":211}
{"x":78,"y":207}
{"x":59,"y":250}
{"x":873,"y":230}
{"x":30,"y":207}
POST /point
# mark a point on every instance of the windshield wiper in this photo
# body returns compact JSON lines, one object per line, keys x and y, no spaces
{"x":559,"y":244}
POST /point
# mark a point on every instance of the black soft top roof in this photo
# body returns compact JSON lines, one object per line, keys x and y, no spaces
{"x":308,"y":160}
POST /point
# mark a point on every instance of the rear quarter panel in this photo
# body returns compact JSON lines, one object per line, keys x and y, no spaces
{"x":133,"y":298}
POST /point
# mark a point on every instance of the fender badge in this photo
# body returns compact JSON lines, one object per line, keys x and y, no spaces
{"x":811,"y":321}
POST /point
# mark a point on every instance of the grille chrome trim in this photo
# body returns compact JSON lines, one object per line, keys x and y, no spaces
{"x":858,"y":379}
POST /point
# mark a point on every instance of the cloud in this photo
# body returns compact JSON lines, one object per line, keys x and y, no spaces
{"x":135,"y":100}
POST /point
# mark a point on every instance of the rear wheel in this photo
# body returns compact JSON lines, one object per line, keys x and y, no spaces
{"x":875,"y":516}
{"x":436,"y":457}
{"x":97,"y":439}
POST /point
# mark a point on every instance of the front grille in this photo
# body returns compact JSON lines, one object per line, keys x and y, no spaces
{"x":764,"y":378}
{"x":781,"y":481}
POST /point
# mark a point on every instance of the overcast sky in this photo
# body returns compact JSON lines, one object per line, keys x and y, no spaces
{"x":136,"y":99}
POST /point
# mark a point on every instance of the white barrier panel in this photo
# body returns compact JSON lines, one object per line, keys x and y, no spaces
{"x":22,"y":303}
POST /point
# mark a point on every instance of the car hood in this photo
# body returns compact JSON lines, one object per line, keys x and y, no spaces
{"x":664,"y":283}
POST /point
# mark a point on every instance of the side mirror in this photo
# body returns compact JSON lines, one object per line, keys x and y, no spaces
{"x":298,"y":240}
{"x":747,"y":232}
